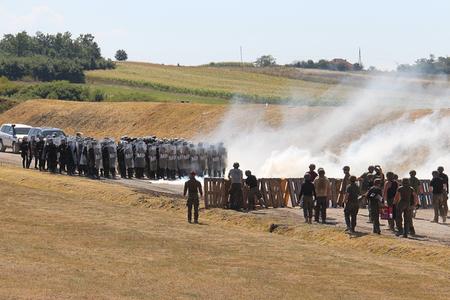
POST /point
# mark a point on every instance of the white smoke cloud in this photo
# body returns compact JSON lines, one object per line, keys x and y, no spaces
{"x":398,"y":123}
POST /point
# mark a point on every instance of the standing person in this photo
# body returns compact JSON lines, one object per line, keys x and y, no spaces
{"x":51,"y":155}
{"x":364,"y":180}
{"x":379,"y":174}
{"x":389,"y":192}
{"x":374,"y":195}
{"x":25,"y":152}
{"x":71,"y":158}
{"x":193,"y":188}
{"x":105,"y":157}
{"x":32,"y":151}
{"x":252,"y":183}
{"x":40,"y":152}
{"x":323,"y":190}
{"x":121,"y":159}
{"x":62,"y":151}
{"x":235,"y":176}
{"x":404,"y":200}
{"x":445,"y":194}
{"x":308,"y":192}
{"x":351,"y":202}
{"x":312,"y":172}
{"x":414,"y":182}
{"x":437,"y":188}
{"x":344,"y":184}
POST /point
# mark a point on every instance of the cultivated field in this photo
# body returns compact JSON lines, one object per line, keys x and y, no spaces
{"x":112,"y":242}
{"x":219,"y":82}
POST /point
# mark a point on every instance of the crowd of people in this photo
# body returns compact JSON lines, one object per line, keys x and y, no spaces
{"x":130,"y":158}
{"x":384,"y":195}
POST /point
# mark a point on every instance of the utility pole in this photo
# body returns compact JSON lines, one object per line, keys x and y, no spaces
{"x":242,"y":62}
{"x":359,"y":57}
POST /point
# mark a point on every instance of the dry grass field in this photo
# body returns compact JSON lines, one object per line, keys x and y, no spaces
{"x":67,"y":238}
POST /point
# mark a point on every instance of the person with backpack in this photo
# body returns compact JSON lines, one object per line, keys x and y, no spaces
{"x":308,"y":192}
{"x":351,"y":202}
{"x":437,"y":188}
{"x":405,"y":199}
{"x":375,"y":197}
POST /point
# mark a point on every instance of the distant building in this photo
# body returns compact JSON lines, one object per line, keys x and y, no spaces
{"x":340,"y":64}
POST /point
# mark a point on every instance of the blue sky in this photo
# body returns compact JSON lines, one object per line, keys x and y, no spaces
{"x":196,"y":31}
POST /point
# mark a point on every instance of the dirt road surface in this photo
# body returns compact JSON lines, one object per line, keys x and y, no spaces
{"x":425,"y":230}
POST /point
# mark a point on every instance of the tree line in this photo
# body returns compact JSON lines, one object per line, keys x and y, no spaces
{"x":47,"y":57}
{"x":431,"y":65}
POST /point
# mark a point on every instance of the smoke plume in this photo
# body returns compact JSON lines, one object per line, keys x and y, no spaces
{"x":398,"y":123}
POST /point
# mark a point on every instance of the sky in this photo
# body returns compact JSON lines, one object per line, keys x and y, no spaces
{"x":199,"y":31}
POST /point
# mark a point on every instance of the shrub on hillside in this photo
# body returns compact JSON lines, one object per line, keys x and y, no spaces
{"x":61,"y":90}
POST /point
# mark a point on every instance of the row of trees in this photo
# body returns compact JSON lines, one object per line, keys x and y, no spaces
{"x":47,"y":57}
{"x":431,"y":65}
{"x":336,"y":64}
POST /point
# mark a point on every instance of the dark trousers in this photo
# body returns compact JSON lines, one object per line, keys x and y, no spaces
{"x":350,"y":213}
{"x":193,"y":202}
{"x":24,"y":160}
{"x":321,"y":209}
{"x":130,"y":173}
{"x":139,"y":173}
{"x":308,"y":205}
{"x":52,"y":165}
{"x":62,"y":167}
{"x":236,"y":196}
{"x":404,"y":215}
{"x":375,"y":216}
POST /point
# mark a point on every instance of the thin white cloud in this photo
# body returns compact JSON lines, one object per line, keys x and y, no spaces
{"x":39,"y":17}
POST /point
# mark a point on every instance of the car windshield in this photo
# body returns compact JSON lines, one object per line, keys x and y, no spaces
{"x":22,"y":130}
{"x":46,"y":133}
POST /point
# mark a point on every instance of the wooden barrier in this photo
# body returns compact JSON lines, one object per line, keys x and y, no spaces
{"x":278,"y":192}
{"x":425,"y":196}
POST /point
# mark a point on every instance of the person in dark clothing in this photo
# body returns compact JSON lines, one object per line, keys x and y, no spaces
{"x":193,"y":188}
{"x":105,"y":159}
{"x":25,"y":152}
{"x":375,"y":198}
{"x":390,"y":190}
{"x":31,"y":151}
{"x":404,"y":201}
{"x":70,"y":159}
{"x":93,"y":171}
{"x":252,"y":183}
{"x":444,"y":178}
{"x":308,"y":192}
{"x":121,"y":160}
{"x":40,"y":153}
{"x":437,"y":187}
{"x":62,"y":150}
{"x":351,"y":202}
{"x":312,"y":172}
{"x":365,"y":183}
{"x":51,"y":155}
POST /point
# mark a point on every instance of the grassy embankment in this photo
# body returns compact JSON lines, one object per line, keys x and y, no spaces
{"x":111,"y":242}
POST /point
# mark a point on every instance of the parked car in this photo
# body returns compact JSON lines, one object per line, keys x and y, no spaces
{"x":56,"y":133}
{"x":11,"y":136}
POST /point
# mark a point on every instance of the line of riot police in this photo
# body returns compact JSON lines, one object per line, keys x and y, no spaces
{"x":134,"y":157}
